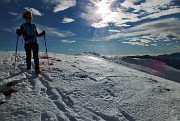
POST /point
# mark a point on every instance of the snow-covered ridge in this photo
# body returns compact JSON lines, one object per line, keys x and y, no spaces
{"x":165,"y":66}
{"x":85,"y":87}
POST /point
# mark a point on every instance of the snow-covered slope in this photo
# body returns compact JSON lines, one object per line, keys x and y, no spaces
{"x":85,"y":88}
{"x":151,"y":66}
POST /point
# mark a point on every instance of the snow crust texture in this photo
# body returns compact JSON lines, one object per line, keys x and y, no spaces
{"x":84,"y":88}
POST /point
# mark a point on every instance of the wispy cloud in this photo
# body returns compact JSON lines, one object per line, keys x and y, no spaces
{"x":17,"y":16}
{"x":129,"y":12}
{"x":160,"y":30}
{"x":8,"y":30}
{"x":89,"y":14}
{"x":123,"y":16}
{"x":136,"y":43}
{"x":54,"y":31}
{"x":49,"y":31}
{"x":152,"y":9}
{"x":58,"y":33}
{"x":60,"y":5}
{"x":142,"y":41}
{"x":100,"y":24}
{"x":67,"y":41}
{"x":34,"y":11}
{"x":13,"y":13}
{"x":67,"y":20}
{"x":117,"y":16}
{"x":162,"y":13}
{"x":114,"y":31}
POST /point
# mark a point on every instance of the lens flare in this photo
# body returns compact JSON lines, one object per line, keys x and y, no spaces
{"x":103,"y":8}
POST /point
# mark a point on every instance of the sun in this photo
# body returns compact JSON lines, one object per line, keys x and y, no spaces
{"x":103,"y":8}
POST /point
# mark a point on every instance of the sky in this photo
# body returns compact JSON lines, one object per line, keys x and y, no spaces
{"x":109,"y":27}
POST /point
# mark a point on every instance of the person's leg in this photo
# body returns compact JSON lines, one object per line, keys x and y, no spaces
{"x":36,"y":56}
{"x":27,"y":48}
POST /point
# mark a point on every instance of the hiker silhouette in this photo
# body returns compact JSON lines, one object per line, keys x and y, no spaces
{"x":30,"y":34}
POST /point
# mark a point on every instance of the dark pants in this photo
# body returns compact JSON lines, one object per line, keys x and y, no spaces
{"x":35,"y":48}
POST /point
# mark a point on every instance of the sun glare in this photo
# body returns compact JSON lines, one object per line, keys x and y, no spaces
{"x":103,"y":8}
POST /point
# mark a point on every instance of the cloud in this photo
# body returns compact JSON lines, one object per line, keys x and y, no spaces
{"x":128,"y":12}
{"x":100,"y":24}
{"x":135,"y":1}
{"x":152,"y":32}
{"x":141,"y":41}
{"x":153,"y":9}
{"x":57,"y":33}
{"x":67,"y":41}
{"x":67,"y":20}
{"x":17,"y":16}
{"x":11,"y":29}
{"x":117,"y":16}
{"x":129,"y":4}
{"x":89,"y":14}
{"x":150,"y":6}
{"x":114,"y":31}
{"x":60,"y":5}
{"x":64,"y":5}
{"x":120,"y":18}
{"x":54,"y":32}
{"x":136,"y":43}
{"x":34,"y":11}
{"x":13,"y":13}
{"x":162,"y":13}
{"x":49,"y":31}
{"x":8,"y":30}
{"x":162,"y":26}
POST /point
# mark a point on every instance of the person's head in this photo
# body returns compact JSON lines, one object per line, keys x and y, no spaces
{"x":27,"y":16}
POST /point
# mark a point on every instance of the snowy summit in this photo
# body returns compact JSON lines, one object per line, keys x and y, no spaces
{"x":85,"y":87}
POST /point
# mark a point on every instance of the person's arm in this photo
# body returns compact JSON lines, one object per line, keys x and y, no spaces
{"x":37,"y":34}
{"x":41,"y":34}
{"x":20,"y":31}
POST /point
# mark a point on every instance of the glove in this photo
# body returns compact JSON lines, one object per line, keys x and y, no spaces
{"x":18,"y":32}
{"x":43,"y":33}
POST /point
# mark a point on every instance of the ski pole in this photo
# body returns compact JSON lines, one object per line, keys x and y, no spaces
{"x":15,"y":56}
{"x":46,"y":52}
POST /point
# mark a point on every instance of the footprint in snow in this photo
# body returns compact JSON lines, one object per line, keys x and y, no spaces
{"x":160,"y":89}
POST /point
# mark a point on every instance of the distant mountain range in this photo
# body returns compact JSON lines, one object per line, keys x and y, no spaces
{"x":172,"y":60}
{"x":173,"y":55}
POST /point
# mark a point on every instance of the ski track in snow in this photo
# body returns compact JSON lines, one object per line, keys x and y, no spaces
{"x":85,"y":88}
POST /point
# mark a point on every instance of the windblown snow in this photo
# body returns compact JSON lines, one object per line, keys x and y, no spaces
{"x":84,"y":88}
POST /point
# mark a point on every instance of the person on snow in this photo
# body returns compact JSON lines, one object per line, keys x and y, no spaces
{"x":30,"y":34}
